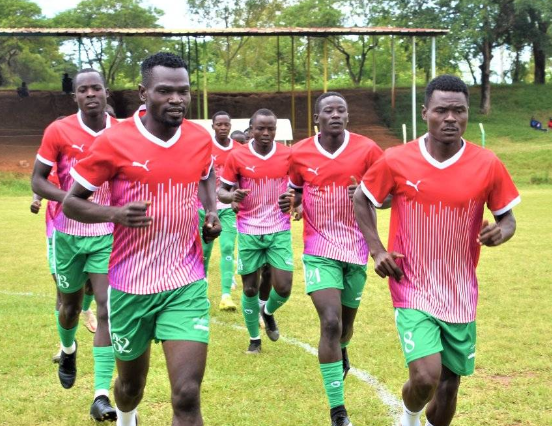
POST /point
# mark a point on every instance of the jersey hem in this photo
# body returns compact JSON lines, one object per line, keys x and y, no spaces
{"x":447,"y":320}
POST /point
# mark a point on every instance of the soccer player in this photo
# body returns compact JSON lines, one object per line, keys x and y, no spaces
{"x":222,"y":147}
{"x":260,"y":171}
{"x":440,"y":184}
{"x":325,"y":169}
{"x":238,"y":136}
{"x":154,"y":163}
{"x":81,"y":251}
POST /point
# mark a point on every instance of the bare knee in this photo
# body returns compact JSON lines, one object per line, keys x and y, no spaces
{"x":347,"y":333}
{"x":425,"y":381}
{"x":130,"y":389}
{"x":71,"y":310}
{"x":186,"y":399}
{"x":330,"y":325}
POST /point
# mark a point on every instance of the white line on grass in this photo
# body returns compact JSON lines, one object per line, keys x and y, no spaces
{"x":393,"y":404}
{"x":28,"y":294}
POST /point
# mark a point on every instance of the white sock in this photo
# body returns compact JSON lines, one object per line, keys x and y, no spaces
{"x":410,"y":418}
{"x":69,"y":350}
{"x":126,"y":419}
{"x":225,"y":296}
{"x":262,"y":303}
{"x":101,"y":392}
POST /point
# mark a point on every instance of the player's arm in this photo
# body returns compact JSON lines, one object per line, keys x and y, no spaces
{"x":42,"y":186}
{"x":77,"y":206}
{"x":36,"y":203}
{"x":384,"y":262}
{"x":207,"y":195}
{"x":502,"y":230}
{"x":230,"y":194}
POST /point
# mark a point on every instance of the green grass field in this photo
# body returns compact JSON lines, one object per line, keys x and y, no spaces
{"x":512,"y":384}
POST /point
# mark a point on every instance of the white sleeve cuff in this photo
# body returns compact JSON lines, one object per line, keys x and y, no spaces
{"x":208,"y":171}
{"x":369,"y":195}
{"x":290,"y":183}
{"x":43,"y":160}
{"x":510,"y":205}
{"x":227,"y":182}
{"x":79,"y":179}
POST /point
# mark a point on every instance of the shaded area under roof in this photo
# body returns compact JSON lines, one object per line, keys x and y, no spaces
{"x":214,"y":32}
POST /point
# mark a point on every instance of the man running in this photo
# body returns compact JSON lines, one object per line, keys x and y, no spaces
{"x":222,"y":146}
{"x":259,"y":170}
{"x":153,"y":163}
{"x":440,"y":184}
{"x":325,"y":169}
{"x":81,"y":251}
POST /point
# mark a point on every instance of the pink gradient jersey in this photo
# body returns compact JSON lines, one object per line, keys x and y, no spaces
{"x":267,"y":178}
{"x":64,"y":143}
{"x":220,"y":154}
{"x":141,"y":167}
{"x":52,"y":207}
{"x":436,"y":216}
{"x":329,"y":226}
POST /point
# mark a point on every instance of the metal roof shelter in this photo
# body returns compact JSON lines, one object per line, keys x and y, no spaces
{"x":80,"y":33}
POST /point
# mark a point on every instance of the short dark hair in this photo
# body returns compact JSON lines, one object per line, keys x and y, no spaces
{"x":237,"y":132}
{"x":324,"y":96}
{"x":264,"y":112}
{"x":85,"y":71}
{"x":446,"y":83}
{"x":163,"y":59}
{"x":218,"y":113}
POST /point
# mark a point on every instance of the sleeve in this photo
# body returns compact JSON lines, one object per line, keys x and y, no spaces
{"x":49,"y":147}
{"x":373,"y":155}
{"x":207,"y":169}
{"x":230,"y":173}
{"x":503,"y":194}
{"x":97,"y":167}
{"x":295,"y":178}
{"x":378,"y":182}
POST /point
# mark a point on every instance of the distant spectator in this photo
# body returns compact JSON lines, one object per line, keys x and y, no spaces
{"x":550,"y":123}
{"x":67,"y":84}
{"x":537,"y":125}
{"x":23,"y":91}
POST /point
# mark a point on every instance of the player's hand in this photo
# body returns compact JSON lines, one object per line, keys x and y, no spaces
{"x":35,"y":206}
{"x":490,"y":234}
{"x":239,"y":194}
{"x":352,"y":188}
{"x":286,"y":200}
{"x":211,"y":227}
{"x":385,"y":266}
{"x":297,"y":212}
{"x":133,"y":215}
{"x":235,"y":206}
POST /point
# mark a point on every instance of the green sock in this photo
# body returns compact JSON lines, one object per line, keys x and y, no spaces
{"x":332,"y":375}
{"x":250,"y":309}
{"x":274,"y":302}
{"x":87,"y":301}
{"x":67,"y":337}
{"x":104,"y":363}
{"x":345,"y":344}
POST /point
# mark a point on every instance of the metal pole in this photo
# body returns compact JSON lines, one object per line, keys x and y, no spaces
{"x":293,"y":83}
{"x":392,"y":72}
{"x":309,"y":111}
{"x":182,"y":47}
{"x":432,"y":57}
{"x":80,"y":55}
{"x":414,"y":87}
{"x":325,"y":65}
{"x":374,"y":64}
{"x":197,"y":80}
{"x":205,"y":100}
{"x":278,"y":60}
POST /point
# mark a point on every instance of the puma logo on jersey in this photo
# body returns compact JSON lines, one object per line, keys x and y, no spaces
{"x":144,"y":166}
{"x":214,"y":157}
{"x":80,"y":148}
{"x":315,"y":171}
{"x":251,"y":168}
{"x":415,"y":186}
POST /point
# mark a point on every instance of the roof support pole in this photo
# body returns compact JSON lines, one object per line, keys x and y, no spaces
{"x":414,"y":87}
{"x":293,"y":83}
{"x":432,"y":57}
{"x":278,"y":61}
{"x":374,"y":64}
{"x":80,"y":53}
{"x":325,"y":64}
{"x":189,"y":63}
{"x":198,"y":96}
{"x":392,"y":72}
{"x":205,"y":100}
{"x":309,"y":94}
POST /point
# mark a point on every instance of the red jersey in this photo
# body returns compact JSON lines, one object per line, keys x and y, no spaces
{"x":436,"y":216}
{"x":220,"y":154}
{"x":330,"y":229}
{"x":141,"y":167}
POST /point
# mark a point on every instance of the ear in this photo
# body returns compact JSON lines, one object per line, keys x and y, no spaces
{"x":316,"y":118}
{"x":107,"y":93}
{"x":142,"y":93}
{"x":424,"y":113}
{"x":73,"y":94}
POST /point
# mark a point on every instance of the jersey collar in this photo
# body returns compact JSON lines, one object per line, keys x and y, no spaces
{"x":223,"y":148}
{"x":267,"y":156}
{"x":336,"y":153}
{"x":433,"y":161}
{"x":88,"y":129}
{"x":155,"y":139}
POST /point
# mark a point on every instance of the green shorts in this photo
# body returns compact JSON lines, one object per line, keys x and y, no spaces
{"x":75,"y":257}
{"x":50,"y":255}
{"x":322,"y":273}
{"x":422,"y":335}
{"x":256,"y":250}
{"x":136,"y":319}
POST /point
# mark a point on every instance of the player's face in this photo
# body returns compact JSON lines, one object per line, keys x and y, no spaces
{"x":167,"y":95}
{"x":222,"y":126}
{"x":446,"y":116}
{"x":90,"y":93}
{"x":263,"y":130}
{"x":333,"y":115}
{"x":239,"y":137}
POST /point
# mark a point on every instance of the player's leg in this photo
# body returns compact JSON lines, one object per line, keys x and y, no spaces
{"x":442,"y":406}
{"x":227,"y":241}
{"x":264,"y":288}
{"x":129,"y":387}
{"x":52,"y":266}
{"x":207,"y":248}
{"x":89,"y":320}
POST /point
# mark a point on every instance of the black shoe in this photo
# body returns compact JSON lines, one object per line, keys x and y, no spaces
{"x":346,"y":363}
{"x":254,"y":347}
{"x":67,"y":370}
{"x":101,"y":410}
{"x":270,"y":326}
{"x":339,"y":416}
